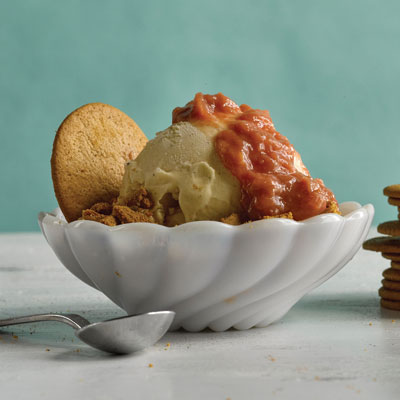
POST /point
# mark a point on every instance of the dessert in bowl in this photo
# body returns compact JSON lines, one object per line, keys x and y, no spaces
{"x":217,"y":219}
{"x":211,"y":274}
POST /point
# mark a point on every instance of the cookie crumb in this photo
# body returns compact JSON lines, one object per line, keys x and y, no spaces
{"x":112,"y":214}
{"x":332,"y":207}
{"x":126,"y":215}
{"x":91,"y":215}
{"x":287,"y":215}
{"x":102,"y":208}
{"x":233,"y":219}
{"x":109,"y":220}
{"x":150,"y":365}
{"x":141,"y":199}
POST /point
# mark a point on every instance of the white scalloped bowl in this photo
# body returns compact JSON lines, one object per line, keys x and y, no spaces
{"x":211,"y":274}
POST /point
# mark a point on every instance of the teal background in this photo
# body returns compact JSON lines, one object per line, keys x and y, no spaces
{"x":328,"y":71}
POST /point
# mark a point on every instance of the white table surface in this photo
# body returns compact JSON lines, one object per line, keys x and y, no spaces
{"x":336,"y":343}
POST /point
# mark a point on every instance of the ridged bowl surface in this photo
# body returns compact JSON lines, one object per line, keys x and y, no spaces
{"x":211,"y":274}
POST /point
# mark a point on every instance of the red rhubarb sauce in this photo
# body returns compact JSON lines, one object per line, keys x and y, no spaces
{"x":260,"y":158}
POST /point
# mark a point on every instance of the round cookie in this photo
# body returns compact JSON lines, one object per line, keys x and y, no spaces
{"x":392,"y":256}
{"x":386,"y":244}
{"x":392,"y":285}
{"x":391,"y":228}
{"x":89,"y":153}
{"x":391,"y":274}
{"x":392,"y":305}
{"x":392,"y":191}
{"x":388,"y":294}
{"x":394,"y":201}
{"x":395,"y":265}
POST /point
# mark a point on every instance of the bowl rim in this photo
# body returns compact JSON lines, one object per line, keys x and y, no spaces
{"x":56,"y":217}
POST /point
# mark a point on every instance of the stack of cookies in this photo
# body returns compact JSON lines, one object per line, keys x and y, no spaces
{"x":389,"y":246}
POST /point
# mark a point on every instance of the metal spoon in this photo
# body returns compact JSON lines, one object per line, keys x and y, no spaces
{"x":119,"y":336}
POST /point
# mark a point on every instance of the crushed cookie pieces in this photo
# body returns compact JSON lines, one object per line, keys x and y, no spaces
{"x":332,"y":207}
{"x":138,"y":209}
{"x":233,"y":219}
{"x":91,"y":215}
{"x":126,"y":215}
{"x":102,"y":208}
{"x":109,"y":220}
{"x":141,"y":199}
{"x":287,"y":215}
{"x":150,"y":365}
{"x":112,"y":214}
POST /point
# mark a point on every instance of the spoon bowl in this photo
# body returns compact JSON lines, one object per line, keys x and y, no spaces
{"x":122,"y":335}
{"x":127,"y":334}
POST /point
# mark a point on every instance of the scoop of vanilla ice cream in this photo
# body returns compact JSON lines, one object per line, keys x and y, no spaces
{"x":184,"y":175}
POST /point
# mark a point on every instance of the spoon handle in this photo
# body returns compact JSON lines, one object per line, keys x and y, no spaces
{"x":74,"y":320}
